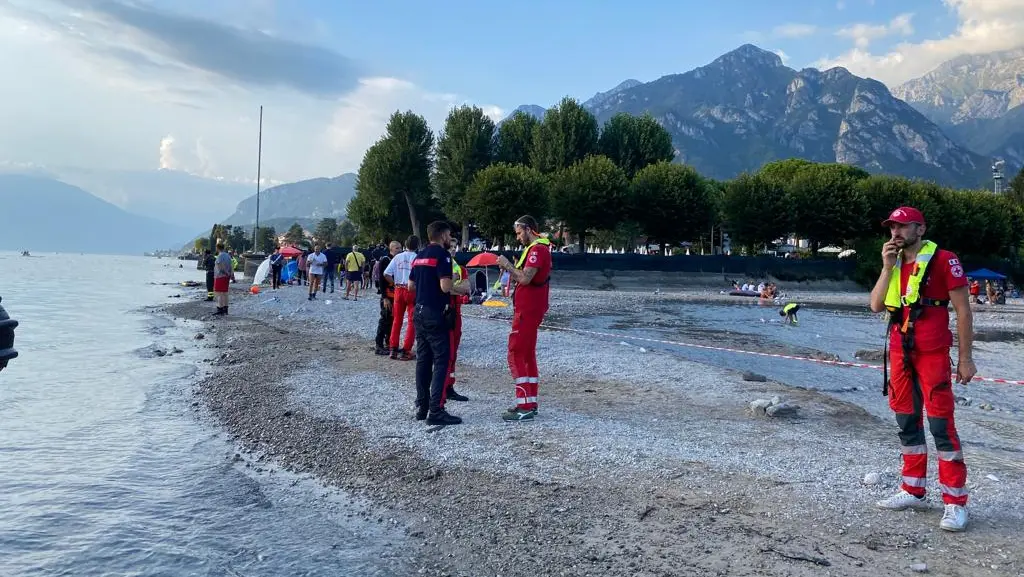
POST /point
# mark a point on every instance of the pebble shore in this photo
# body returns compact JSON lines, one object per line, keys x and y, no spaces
{"x":641,"y":463}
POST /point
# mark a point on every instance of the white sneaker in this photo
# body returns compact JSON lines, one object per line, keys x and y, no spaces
{"x":954,"y":518}
{"x":903,"y":500}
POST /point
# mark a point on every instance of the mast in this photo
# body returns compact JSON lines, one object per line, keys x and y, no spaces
{"x":259,"y":162}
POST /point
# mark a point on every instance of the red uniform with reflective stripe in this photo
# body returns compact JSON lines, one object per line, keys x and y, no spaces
{"x":530,"y":303}
{"x":925,"y":386}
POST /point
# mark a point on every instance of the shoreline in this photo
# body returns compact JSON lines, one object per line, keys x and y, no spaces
{"x":626,"y":472}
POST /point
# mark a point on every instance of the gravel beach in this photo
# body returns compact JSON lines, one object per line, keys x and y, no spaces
{"x":641,"y":463}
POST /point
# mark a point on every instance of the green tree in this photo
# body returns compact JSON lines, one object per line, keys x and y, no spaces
{"x":464,"y":148}
{"x":1016,"y":190}
{"x":325,"y":231}
{"x":591,"y":194}
{"x":784,"y":171}
{"x":219,"y":233}
{"x":346,"y":234}
{"x":515,"y":139}
{"x":673,"y":203}
{"x":567,"y":135}
{"x":266,"y":239}
{"x":201,"y":244}
{"x":503,"y":192}
{"x":756,"y":210}
{"x":238,"y":239}
{"x":826,"y":204}
{"x":884,"y":194}
{"x":394,"y":177}
{"x":633,"y":142}
{"x":295,"y":235}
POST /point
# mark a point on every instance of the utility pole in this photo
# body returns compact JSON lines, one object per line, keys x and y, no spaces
{"x":259,"y":162}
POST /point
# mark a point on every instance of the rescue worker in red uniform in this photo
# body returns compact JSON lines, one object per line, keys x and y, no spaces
{"x":530,"y":274}
{"x":459,"y":276}
{"x":917,"y":283}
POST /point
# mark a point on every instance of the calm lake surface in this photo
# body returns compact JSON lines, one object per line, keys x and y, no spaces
{"x":105,"y":466}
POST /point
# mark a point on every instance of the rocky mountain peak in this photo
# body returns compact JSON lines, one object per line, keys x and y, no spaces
{"x":746,"y":108}
{"x":748,"y":56}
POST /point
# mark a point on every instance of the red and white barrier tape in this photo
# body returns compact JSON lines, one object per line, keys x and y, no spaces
{"x":740,"y":351}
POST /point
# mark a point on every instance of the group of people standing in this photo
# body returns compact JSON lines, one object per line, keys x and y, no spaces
{"x":425,"y":288}
{"x":319,"y":268}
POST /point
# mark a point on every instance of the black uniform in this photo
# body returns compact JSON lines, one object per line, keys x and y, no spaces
{"x":386,"y":291}
{"x":433,"y":339}
{"x":208,"y":263}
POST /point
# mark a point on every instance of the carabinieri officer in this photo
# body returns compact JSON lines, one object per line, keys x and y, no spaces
{"x":431,"y":280}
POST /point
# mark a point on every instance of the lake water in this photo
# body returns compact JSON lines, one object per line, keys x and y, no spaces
{"x":105,"y":469}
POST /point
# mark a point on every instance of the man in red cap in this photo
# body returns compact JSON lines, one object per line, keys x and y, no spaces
{"x":917,"y":283}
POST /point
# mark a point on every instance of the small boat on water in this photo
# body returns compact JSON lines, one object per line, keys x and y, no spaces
{"x":25,"y":253}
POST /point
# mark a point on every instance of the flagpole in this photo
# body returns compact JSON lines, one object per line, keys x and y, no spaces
{"x":259,"y":162}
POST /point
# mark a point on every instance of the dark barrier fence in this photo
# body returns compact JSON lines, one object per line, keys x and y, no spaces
{"x":740,"y":267}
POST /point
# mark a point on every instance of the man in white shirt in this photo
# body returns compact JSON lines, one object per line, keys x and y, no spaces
{"x":397,"y":273}
{"x":316,"y":261}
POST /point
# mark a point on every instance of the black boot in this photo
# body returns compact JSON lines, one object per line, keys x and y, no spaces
{"x":453,"y":395}
{"x":441,"y":417}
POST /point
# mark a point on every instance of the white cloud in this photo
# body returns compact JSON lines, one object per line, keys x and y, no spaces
{"x":782,"y":55}
{"x":106,"y":85}
{"x":863,"y":34}
{"x":983,"y":26}
{"x":167,"y":160}
{"x":794,"y":30}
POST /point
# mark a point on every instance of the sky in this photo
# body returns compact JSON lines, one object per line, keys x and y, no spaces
{"x":177,"y":84}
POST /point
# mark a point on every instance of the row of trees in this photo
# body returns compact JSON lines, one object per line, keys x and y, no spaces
{"x":617,"y":184}
{"x":238,"y":239}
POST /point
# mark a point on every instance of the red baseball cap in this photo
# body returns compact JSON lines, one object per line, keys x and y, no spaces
{"x":904,"y":215}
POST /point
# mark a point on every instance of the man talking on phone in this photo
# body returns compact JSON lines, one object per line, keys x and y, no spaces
{"x":917,"y":283}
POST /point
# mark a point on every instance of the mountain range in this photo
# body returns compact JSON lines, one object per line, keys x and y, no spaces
{"x":977,"y":100}
{"x":43,"y":214}
{"x":730,"y":116}
{"x":746,"y":108}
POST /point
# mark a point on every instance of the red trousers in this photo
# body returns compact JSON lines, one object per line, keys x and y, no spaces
{"x":456,"y":338}
{"x":522,"y":355}
{"x":927,"y":386}
{"x":405,"y":302}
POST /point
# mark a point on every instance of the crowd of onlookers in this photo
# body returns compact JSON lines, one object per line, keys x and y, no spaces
{"x":994,"y":293}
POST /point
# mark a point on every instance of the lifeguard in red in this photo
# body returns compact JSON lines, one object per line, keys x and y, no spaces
{"x":917,"y":284}
{"x":531,"y":275}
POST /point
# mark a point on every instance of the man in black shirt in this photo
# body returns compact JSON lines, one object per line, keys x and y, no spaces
{"x":431,"y":280}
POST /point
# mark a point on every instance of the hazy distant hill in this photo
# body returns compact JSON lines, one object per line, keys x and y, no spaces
{"x":171,"y":196}
{"x":46,"y":215}
{"x":315,"y":198}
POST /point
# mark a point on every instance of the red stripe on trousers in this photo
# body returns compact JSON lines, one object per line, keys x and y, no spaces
{"x":404,"y":306}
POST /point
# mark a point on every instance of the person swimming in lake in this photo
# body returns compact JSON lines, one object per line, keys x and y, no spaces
{"x":789,"y":311}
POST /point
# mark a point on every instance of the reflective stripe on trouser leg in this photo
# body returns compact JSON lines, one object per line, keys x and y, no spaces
{"x":933,"y":371}
{"x":907,"y":402}
{"x":522,"y":355}
{"x":952,"y":469}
